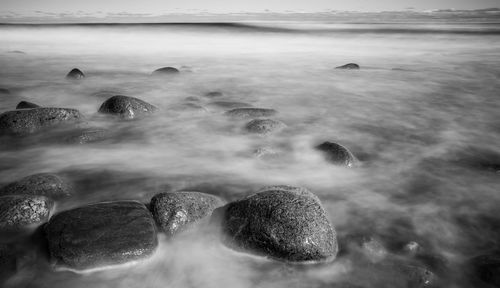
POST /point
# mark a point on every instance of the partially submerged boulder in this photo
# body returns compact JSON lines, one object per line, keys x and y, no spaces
{"x":75,"y":74}
{"x":251,"y":112}
{"x":27,"y":121}
{"x":44,"y":184}
{"x":337,"y":154}
{"x":22,"y":211}
{"x":101,"y":234}
{"x":165,"y":71}
{"x":126,"y":107}
{"x":26,"y":105}
{"x":348,"y":66}
{"x":264,"y":126}
{"x":175,"y":211}
{"x":283,"y":222}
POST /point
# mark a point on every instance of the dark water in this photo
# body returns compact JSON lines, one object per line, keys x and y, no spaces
{"x":421,"y":115}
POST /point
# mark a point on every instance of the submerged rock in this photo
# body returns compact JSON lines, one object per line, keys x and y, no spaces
{"x":26,"y":105}
{"x":264,"y":126}
{"x":4,"y":91}
{"x":75,"y":73}
{"x":166,"y":71}
{"x":27,"y":121}
{"x":20,"y":211}
{"x":251,"y":112}
{"x":174,"y":211}
{"x":44,"y":184}
{"x":486,"y":268}
{"x":370,"y":247}
{"x":337,"y":154}
{"x":192,"y":99}
{"x":214,"y":94}
{"x":348,"y":66}
{"x":283,"y":222}
{"x":88,"y":135}
{"x":101,"y":234}
{"x":189,"y":107}
{"x":230,"y":104}
{"x":126,"y":107}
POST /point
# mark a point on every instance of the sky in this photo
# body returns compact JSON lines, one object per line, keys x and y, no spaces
{"x":227,"y":6}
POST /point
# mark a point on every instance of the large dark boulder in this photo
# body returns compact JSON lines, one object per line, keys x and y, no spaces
{"x":251,"y":112}
{"x":75,"y":74}
{"x":26,"y":105}
{"x":101,"y":234}
{"x":21,"y":211}
{"x":165,"y":71}
{"x":337,"y":154}
{"x":175,"y":211}
{"x":348,"y":66}
{"x":27,"y":121}
{"x":44,"y":184}
{"x":264,"y":126}
{"x":126,"y":107}
{"x":283,"y":222}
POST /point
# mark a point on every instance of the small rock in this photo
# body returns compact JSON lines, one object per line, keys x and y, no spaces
{"x":286,"y":223}
{"x":251,"y":112}
{"x":214,"y":94}
{"x":192,"y":99}
{"x":43,"y":184}
{"x":27,"y":121}
{"x":417,"y":277}
{"x":371,"y":248}
{"x":266,"y":153}
{"x":26,"y":105}
{"x":337,"y":154}
{"x":348,"y":66}
{"x":19,"y":211}
{"x":230,"y":104}
{"x":166,"y":71}
{"x":17,"y":52}
{"x":88,"y":135}
{"x":174,"y":211}
{"x":126,"y":107}
{"x":101,"y":234}
{"x":264,"y":126}
{"x":75,"y":73}
{"x":412,"y":248}
{"x":4,"y":91}
{"x":487,"y":268}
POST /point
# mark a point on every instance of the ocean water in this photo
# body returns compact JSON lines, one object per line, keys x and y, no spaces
{"x":421,"y":115}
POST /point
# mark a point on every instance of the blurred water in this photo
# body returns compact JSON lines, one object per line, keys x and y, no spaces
{"x":421,"y":115}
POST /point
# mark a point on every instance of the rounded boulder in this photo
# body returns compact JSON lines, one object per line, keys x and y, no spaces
{"x":126,"y":107}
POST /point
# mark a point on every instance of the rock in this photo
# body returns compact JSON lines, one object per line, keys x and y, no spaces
{"x":166,"y":71}
{"x":20,"y":211}
{"x":266,"y":153}
{"x":283,"y":222}
{"x":43,"y":184}
{"x":370,"y":247}
{"x":416,"y":276}
{"x":8,"y":262}
{"x":487,"y":268}
{"x":264,"y":126}
{"x":214,"y":94}
{"x":4,"y":91}
{"x":126,"y":107}
{"x":101,"y":234}
{"x":251,"y":112}
{"x":17,"y":52}
{"x":27,"y":121}
{"x":337,"y":154}
{"x":192,"y":99}
{"x":230,"y":104}
{"x":175,"y":211}
{"x":75,"y":74}
{"x":348,"y":66}
{"x":26,"y":105}
{"x":88,"y":135}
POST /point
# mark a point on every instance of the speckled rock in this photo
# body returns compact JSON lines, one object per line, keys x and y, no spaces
{"x":229,"y":104}
{"x":337,"y":154}
{"x":165,"y":71}
{"x":27,"y":121}
{"x":126,"y":107}
{"x":26,"y":105}
{"x":175,"y":211}
{"x":21,"y":211}
{"x":88,"y":135}
{"x":101,"y":234}
{"x":75,"y":74}
{"x":348,"y":66}
{"x":264,"y":126}
{"x":282,"y":222}
{"x":251,"y":112}
{"x":44,"y":184}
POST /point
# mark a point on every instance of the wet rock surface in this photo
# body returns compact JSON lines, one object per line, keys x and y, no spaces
{"x":251,"y":112}
{"x":43,"y":184}
{"x":27,"y":121}
{"x":101,"y":234}
{"x":126,"y":107}
{"x":348,"y":66}
{"x":75,"y":74}
{"x":26,"y":105}
{"x":165,"y":71}
{"x":88,"y":135}
{"x":175,"y":211}
{"x":264,"y":126}
{"x":21,"y":211}
{"x":337,"y":154}
{"x":283,"y":222}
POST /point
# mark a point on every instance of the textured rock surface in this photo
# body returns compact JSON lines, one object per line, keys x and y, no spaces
{"x":283,"y":222}
{"x":251,"y":112}
{"x":101,"y":234}
{"x":26,"y":105}
{"x":44,"y":184}
{"x":26,"y":121}
{"x":126,"y":107}
{"x":166,"y":70}
{"x":348,"y":66}
{"x":264,"y":126}
{"x":337,"y":154}
{"x":88,"y":135}
{"x":174,"y":211}
{"x":19,"y":211}
{"x":75,"y":73}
